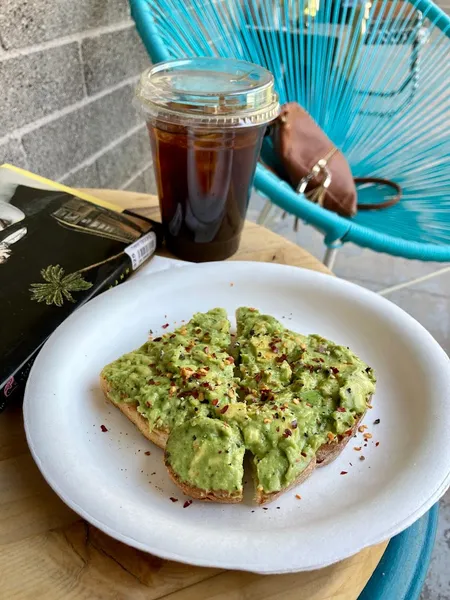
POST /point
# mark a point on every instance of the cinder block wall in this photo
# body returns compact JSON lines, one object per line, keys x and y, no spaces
{"x":67,"y":74}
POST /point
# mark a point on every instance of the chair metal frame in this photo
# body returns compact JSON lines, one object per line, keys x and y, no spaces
{"x":336,"y":229}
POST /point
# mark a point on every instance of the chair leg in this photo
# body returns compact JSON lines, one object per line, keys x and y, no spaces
{"x":406,"y":284}
{"x":330,"y":257}
{"x":261,"y":220}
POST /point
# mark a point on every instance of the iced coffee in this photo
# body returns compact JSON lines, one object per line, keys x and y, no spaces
{"x":206,"y":118}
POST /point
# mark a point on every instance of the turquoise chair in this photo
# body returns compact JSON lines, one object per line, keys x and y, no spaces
{"x":374,"y":75}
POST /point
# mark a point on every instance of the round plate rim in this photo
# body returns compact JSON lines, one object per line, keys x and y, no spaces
{"x":263,"y":567}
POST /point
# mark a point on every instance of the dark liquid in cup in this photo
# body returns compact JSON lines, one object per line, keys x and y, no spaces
{"x":204,"y":181}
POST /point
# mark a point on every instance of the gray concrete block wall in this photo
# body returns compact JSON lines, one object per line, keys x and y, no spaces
{"x":67,"y":74}
{"x":103,"y":58}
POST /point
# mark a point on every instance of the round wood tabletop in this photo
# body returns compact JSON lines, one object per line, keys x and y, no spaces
{"x":48,"y":552}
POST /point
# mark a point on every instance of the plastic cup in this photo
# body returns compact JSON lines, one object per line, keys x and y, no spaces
{"x":206,"y":118}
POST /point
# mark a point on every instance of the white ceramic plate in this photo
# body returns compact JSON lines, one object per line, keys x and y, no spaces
{"x":108,"y":478}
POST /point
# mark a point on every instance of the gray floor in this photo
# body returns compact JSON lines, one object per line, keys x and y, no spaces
{"x":428,"y":302}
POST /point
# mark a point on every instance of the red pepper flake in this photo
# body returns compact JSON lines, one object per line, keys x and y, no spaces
{"x":187,"y":348}
{"x":343,"y":472}
{"x":298,"y":496}
{"x":377,"y":444}
{"x":294,"y":424}
{"x":266,"y":395}
{"x":173,"y":499}
{"x":165,"y":326}
{"x":187,"y":503}
{"x":258,"y":377}
{"x":103,"y":428}
{"x":273,"y":348}
{"x":287,"y":433}
{"x":278,"y":430}
{"x":215,"y":402}
{"x":147,"y":453}
{"x":195,"y":393}
{"x":303,"y":454}
{"x":158,"y":339}
{"x":308,"y":404}
{"x":348,"y":432}
{"x":341,"y":409}
{"x":334,"y":370}
{"x":362,"y":458}
{"x":224,"y":409}
{"x":281,"y":358}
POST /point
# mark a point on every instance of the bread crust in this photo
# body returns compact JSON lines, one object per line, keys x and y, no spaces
{"x":329,"y":452}
{"x":129,"y":409}
{"x":262,"y":497}
{"x":222,"y":496}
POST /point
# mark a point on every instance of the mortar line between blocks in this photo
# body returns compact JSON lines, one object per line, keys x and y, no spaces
{"x":135,"y":176}
{"x":87,"y":162}
{"x":62,"y":112}
{"x":66,"y":39}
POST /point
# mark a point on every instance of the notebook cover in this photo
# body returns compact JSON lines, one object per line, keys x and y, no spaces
{"x":57,"y":251}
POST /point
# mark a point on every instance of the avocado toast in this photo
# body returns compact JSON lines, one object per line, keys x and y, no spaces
{"x":305,"y":396}
{"x":174,"y":377}
{"x":292,"y":401}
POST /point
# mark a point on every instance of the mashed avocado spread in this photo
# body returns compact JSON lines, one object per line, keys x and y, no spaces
{"x":275,"y":393}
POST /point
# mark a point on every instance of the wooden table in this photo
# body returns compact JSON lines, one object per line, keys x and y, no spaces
{"x":47,"y":552}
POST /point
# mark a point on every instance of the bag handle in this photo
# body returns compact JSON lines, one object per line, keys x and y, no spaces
{"x":316,"y":195}
{"x":379,"y":205}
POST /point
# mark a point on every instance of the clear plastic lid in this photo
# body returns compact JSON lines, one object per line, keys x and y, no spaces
{"x":209,"y":92}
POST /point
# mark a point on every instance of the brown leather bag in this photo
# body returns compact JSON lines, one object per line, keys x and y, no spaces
{"x":300,"y":145}
{"x":315,"y":167}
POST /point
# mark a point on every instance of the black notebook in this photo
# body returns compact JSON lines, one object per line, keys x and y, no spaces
{"x":58,"y":249}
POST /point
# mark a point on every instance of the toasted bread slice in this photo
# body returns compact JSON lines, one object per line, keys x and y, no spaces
{"x":221,"y":496}
{"x":329,"y":452}
{"x":204,"y":458}
{"x":262,"y":497}
{"x":276,"y":364}
{"x":129,"y":409}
